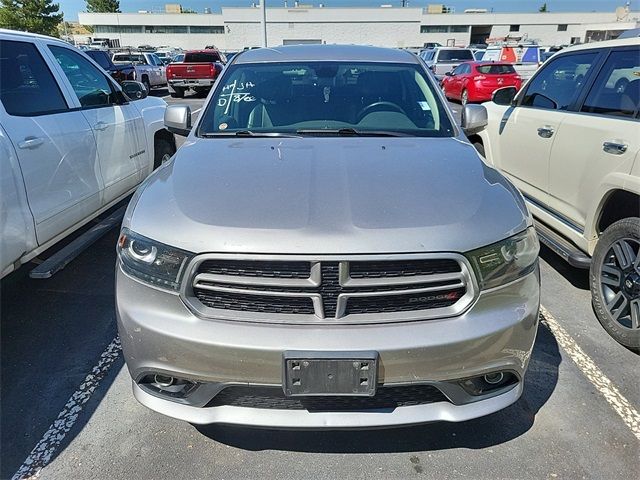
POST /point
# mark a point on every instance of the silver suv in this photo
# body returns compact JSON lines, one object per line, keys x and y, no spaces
{"x":326,"y":250}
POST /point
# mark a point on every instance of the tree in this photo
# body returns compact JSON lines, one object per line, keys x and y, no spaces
{"x":103,"y":6}
{"x":36,"y":16}
{"x":543,"y":8}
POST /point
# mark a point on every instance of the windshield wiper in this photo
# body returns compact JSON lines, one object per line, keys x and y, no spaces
{"x":351,"y":132}
{"x":247,"y":133}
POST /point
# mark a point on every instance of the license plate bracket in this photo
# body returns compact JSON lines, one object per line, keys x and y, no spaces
{"x":310,"y":373}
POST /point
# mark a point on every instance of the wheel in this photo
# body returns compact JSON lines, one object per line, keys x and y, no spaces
{"x":147,"y":85}
{"x":163,"y":151}
{"x":479,"y":148}
{"x":615,"y":281}
{"x":464,"y":98}
{"x":178,"y":93}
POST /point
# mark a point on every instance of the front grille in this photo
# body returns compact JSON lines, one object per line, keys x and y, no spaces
{"x":257,"y":268}
{"x":274,"y":398}
{"x":362,"y":290}
{"x":402,"y":268}
{"x":403,"y":303}
{"x":255,"y":303}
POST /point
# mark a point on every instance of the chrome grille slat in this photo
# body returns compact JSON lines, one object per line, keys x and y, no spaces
{"x":336,"y":296}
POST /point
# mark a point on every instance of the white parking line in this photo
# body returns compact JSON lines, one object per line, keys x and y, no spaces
{"x":617,"y":401}
{"x":41,"y":454}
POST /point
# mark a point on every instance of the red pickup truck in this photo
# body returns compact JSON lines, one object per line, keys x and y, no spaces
{"x":197,"y":71}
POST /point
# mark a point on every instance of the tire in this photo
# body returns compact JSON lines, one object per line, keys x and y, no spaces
{"x":464,"y":97}
{"x":479,"y":148}
{"x":178,"y":93}
{"x":615,"y":281}
{"x":147,"y":85}
{"x":163,"y":151}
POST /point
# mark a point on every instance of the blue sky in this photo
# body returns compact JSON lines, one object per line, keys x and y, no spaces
{"x":72,"y":7}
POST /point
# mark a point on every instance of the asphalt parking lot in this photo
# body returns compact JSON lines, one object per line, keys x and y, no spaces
{"x":68,"y":411}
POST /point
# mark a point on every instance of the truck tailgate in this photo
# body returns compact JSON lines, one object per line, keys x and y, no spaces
{"x":191,"y":70}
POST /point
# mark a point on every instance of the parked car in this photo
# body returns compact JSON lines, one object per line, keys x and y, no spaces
{"x":444,"y":59}
{"x":524,"y":57}
{"x":476,"y":81}
{"x":326,"y":251}
{"x":197,"y":71}
{"x":72,"y":144}
{"x":478,"y":54}
{"x":149,"y":68}
{"x":570,"y":142}
{"x":120,"y":73}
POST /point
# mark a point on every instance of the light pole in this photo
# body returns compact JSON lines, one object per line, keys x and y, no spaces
{"x":263,"y":22}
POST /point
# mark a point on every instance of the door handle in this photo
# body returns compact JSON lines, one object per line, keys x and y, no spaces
{"x":546,"y":131}
{"x":614,"y":148}
{"x":30,"y":143}
{"x":101,"y":126}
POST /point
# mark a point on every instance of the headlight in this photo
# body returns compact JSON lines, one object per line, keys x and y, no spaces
{"x":151,"y":261}
{"x":505,"y":261}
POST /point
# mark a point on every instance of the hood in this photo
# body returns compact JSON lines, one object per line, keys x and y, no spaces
{"x":327,"y":196}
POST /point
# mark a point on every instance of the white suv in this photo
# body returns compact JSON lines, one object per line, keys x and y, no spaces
{"x":72,"y":144}
{"x":570,"y":141}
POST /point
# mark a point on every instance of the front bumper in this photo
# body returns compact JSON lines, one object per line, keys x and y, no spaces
{"x":159,"y":334}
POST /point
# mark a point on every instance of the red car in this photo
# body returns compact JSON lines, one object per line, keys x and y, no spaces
{"x":476,"y":81}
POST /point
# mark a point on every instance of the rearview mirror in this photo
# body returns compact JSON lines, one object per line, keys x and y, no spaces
{"x":177,"y":119}
{"x":504,"y":96}
{"x":474,"y":118}
{"x":134,"y":90}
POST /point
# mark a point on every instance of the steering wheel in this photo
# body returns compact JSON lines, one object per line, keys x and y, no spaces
{"x":390,"y":106}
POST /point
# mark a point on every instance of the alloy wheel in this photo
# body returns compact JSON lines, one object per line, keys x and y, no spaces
{"x":620,"y":282}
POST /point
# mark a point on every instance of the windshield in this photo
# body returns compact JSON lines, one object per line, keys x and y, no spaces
{"x":454,"y":55}
{"x":329,"y":96}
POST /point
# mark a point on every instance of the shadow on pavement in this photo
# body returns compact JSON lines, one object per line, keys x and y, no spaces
{"x":578,"y":277}
{"x":494,"y":429}
{"x":52,"y":333}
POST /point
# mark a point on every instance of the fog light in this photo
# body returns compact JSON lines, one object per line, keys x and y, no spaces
{"x":494,"y":378}
{"x":167,"y":386}
{"x":483,"y":384}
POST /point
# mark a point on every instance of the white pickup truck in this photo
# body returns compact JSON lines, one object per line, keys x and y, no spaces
{"x":149,"y":68}
{"x":72,"y":143}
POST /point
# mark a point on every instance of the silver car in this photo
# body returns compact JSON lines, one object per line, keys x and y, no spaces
{"x":326,"y":250}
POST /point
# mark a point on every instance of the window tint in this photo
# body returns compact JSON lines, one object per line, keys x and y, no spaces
{"x":326,"y":96}
{"x":455,"y":54}
{"x":91,"y":86}
{"x":616,"y":90}
{"x":459,"y":70}
{"x":201,"y":57}
{"x":156,"y":61}
{"x":559,"y":82}
{"x":123,"y":57}
{"x":27,"y":86}
{"x":496,"y":69}
{"x":101,"y":58}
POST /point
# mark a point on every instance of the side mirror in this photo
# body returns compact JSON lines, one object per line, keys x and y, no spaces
{"x":504,"y":96}
{"x":449,"y":74}
{"x":177,"y":119}
{"x":474,"y":119}
{"x":134,"y":90}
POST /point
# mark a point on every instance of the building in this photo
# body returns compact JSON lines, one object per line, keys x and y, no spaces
{"x":237,"y":28}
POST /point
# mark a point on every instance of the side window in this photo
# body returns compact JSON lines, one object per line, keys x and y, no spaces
{"x":458,"y":70}
{"x":559,"y":82}
{"x":155,"y":61}
{"x":616,"y":90}
{"x":90,"y":84}
{"x":27,"y":86}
